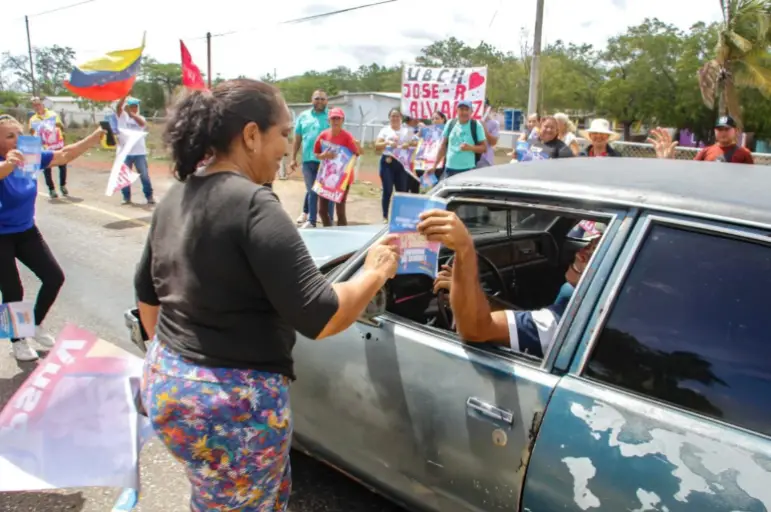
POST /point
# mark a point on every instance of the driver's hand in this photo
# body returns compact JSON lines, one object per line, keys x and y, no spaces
{"x":445,"y":227}
{"x":443,"y":279}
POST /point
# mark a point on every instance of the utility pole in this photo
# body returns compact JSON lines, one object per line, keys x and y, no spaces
{"x":208,"y":58}
{"x":532,"y":100}
{"x":31,"y":62}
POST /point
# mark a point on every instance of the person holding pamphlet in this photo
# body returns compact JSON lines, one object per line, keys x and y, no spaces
{"x":129,"y":118}
{"x":46,"y":125}
{"x":20,"y":238}
{"x":530,"y":332}
{"x":224,"y":283}
{"x":392,"y":172}
{"x":464,"y":142}
{"x":335,"y":134}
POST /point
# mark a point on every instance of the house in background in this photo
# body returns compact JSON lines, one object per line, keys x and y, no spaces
{"x":365,"y":112}
{"x":70,"y":111}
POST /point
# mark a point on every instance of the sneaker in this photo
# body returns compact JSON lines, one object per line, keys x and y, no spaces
{"x":151,"y":201}
{"x":307,"y":225}
{"x":23,"y":352}
{"x":52,"y":193}
{"x":44,"y":339}
{"x":126,"y":202}
{"x":302,"y":219}
{"x":64,"y":191}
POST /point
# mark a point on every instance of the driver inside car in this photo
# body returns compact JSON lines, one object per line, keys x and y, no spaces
{"x":529,"y":332}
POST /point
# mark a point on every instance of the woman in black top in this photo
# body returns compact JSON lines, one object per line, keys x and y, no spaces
{"x":223,"y":284}
{"x":549,"y":145}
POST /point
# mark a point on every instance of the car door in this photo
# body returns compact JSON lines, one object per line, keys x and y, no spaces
{"x":666,"y":401}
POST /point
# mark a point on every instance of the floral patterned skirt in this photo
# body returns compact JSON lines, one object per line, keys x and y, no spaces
{"x":231,"y":428}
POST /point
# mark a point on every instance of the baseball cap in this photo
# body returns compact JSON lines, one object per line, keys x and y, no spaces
{"x":336,"y":112}
{"x":725,"y":122}
{"x":132,"y":101}
{"x":464,"y":103}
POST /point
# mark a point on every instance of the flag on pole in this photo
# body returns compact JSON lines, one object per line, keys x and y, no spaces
{"x":106,"y":78}
{"x":191,"y":75}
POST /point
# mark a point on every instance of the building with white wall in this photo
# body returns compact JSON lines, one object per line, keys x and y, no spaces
{"x":69,"y":110}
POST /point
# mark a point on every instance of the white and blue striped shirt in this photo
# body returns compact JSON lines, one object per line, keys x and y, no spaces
{"x":532,"y":332}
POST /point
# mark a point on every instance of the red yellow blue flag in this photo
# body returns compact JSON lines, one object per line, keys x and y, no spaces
{"x":106,"y":78}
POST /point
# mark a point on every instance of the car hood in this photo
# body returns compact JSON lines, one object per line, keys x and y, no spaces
{"x":326,"y":244}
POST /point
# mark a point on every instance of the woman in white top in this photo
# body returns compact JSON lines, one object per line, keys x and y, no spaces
{"x":392,"y":174}
{"x":566,"y":131}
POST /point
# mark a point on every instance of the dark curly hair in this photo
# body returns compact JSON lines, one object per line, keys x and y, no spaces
{"x":203,"y":123}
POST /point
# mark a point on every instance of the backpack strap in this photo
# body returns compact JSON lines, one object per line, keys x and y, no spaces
{"x":730,"y":154}
{"x":450,"y":128}
{"x":474,"y":131}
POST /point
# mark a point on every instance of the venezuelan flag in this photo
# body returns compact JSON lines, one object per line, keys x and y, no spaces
{"x":107,"y":78}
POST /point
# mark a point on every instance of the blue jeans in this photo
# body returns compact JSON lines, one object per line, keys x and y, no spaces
{"x":305,"y":206}
{"x":139,"y":163}
{"x":311,"y":206}
{"x":393,"y":176}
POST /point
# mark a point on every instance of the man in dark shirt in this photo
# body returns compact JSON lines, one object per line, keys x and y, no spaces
{"x":725,"y":148}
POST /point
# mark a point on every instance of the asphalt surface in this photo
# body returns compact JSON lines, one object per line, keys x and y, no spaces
{"x":98,"y":243}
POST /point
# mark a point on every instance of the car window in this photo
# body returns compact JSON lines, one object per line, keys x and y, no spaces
{"x":481,"y":218}
{"x":690,"y":327}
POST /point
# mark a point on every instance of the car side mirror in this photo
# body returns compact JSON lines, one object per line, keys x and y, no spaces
{"x":375,"y":309}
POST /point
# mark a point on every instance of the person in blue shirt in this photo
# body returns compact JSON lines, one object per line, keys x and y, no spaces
{"x":528,"y":332}
{"x":308,"y":126}
{"x":460,"y":146}
{"x":20,"y":238}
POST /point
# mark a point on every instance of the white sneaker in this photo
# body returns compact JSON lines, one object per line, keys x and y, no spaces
{"x":307,"y":225}
{"x":23,"y":352}
{"x":302,"y":218}
{"x":44,"y":339}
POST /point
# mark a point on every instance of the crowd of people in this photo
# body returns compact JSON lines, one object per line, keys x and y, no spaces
{"x":224,"y":263}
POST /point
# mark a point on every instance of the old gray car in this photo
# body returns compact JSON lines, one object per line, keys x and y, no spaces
{"x":655,"y":393}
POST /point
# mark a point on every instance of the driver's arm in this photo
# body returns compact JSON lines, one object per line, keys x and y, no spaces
{"x":474,"y":319}
{"x":530,"y":332}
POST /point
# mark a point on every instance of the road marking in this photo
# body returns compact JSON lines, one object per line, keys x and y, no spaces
{"x":119,"y":216}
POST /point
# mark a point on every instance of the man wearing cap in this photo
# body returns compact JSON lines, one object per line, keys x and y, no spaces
{"x":478,"y":321}
{"x":335,"y":134}
{"x":46,"y":124}
{"x":463,"y":140}
{"x":492,"y":133}
{"x":725,"y":148}
{"x":308,"y":125}
{"x":600,"y":135}
{"x":129,"y":119}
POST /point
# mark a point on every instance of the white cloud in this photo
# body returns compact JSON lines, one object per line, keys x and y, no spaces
{"x":386,"y":34}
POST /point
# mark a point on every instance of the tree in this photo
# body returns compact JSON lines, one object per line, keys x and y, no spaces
{"x":741,"y":56}
{"x":53,"y":65}
{"x":641,"y":68}
{"x":167,"y":75}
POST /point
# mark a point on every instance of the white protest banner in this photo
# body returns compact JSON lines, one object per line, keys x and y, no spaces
{"x":426,"y":90}
{"x":120,"y":174}
{"x":74,"y":421}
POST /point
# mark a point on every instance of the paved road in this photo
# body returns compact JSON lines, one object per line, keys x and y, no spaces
{"x":97,"y":243}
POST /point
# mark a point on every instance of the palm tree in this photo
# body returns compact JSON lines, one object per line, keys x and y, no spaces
{"x":742,"y":56}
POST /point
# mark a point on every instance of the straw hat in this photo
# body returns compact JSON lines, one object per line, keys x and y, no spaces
{"x":600,"y":126}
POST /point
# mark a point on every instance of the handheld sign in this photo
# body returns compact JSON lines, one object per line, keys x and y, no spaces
{"x":32,"y":149}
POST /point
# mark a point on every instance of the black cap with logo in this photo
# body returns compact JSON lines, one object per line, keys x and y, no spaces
{"x":725,"y":122}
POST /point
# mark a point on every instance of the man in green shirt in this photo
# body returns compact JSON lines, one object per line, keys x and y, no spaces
{"x":461,"y":146}
{"x":308,"y":126}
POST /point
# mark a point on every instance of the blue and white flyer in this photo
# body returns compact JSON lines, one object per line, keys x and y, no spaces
{"x":417,"y":255}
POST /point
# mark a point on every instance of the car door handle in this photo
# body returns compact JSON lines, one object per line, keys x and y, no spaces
{"x":489,"y":411}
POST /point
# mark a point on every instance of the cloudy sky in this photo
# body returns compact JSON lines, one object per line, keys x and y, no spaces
{"x":386,"y":34}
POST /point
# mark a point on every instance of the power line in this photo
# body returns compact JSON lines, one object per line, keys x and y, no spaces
{"x":304,"y":19}
{"x":62,"y":8}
